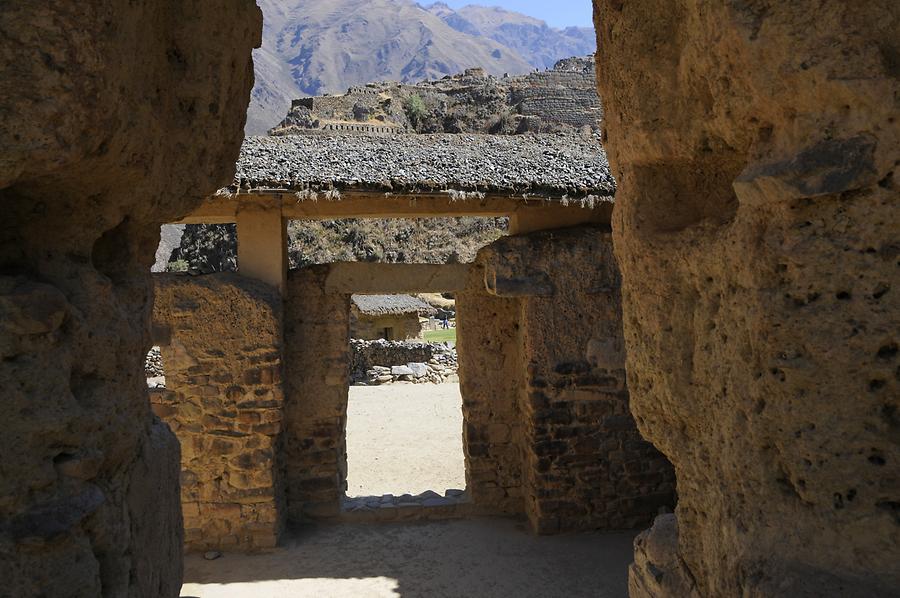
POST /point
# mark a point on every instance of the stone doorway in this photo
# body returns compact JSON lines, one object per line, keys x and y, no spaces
{"x":404,"y":415}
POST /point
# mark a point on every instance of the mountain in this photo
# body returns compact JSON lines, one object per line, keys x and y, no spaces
{"x":314,"y":47}
{"x":534,"y":40}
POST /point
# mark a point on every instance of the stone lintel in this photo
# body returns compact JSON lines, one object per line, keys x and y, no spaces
{"x":384,"y":279}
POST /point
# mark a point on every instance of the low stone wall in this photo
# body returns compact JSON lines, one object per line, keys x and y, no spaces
{"x":381,"y":362}
{"x":220,"y":339}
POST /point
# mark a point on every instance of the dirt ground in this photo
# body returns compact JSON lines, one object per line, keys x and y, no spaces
{"x":478,"y":558}
{"x":404,"y":438}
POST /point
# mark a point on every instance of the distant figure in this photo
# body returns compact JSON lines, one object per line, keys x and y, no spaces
{"x":445,"y":323}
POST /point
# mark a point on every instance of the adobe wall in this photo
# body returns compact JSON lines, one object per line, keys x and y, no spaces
{"x":221,"y":344}
{"x":317,"y":335}
{"x":117,"y":117}
{"x":755,"y":146}
{"x":584,"y":464}
{"x":370,"y":328}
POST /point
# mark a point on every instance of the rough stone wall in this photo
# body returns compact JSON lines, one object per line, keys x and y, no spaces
{"x":585,"y":464}
{"x":116,"y":117}
{"x":366,"y":354}
{"x":221,"y":343}
{"x":566,"y":94}
{"x":490,"y":377}
{"x":317,"y":338}
{"x":755,"y":145}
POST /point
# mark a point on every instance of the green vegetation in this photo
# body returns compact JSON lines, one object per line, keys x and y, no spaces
{"x":421,"y":240}
{"x":415,"y":109}
{"x":177,"y":266}
{"x":440,"y":336}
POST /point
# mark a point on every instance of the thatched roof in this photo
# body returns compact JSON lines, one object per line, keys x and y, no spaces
{"x":387,"y":305}
{"x":554,"y":166}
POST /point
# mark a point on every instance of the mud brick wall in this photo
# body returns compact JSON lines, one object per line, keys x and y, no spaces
{"x":490,"y":376}
{"x":220,"y":340}
{"x":585,"y":464}
{"x":370,"y":328}
{"x":317,"y":335}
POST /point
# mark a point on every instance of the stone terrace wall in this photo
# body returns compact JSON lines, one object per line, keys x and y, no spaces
{"x":220,"y":340}
{"x":585,"y":464}
{"x":567,"y":96}
{"x":756,"y":147}
{"x":490,"y":376}
{"x":317,"y":335}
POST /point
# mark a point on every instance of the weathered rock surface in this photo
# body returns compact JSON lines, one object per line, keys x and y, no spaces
{"x":755,"y":146}
{"x":116,"y":117}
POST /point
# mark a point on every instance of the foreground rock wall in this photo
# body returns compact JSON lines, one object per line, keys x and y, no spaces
{"x":221,"y":345}
{"x":585,"y":464}
{"x":116,"y":117}
{"x":755,"y":145}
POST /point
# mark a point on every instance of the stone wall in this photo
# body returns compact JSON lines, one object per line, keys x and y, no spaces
{"x":756,"y":145}
{"x":491,"y":377}
{"x":566,"y":94}
{"x":317,"y":335}
{"x":585,"y":464}
{"x":117,"y":117}
{"x":221,"y":343}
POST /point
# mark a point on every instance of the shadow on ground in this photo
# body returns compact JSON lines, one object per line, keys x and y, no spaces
{"x":475,"y":557}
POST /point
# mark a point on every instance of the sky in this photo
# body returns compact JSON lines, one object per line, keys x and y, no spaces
{"x":558,"y":13}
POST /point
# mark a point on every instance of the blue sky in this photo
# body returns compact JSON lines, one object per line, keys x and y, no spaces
{"x":558,"y":13}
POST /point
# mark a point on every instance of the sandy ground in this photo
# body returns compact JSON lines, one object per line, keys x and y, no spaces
{"x":408,"y":438}
{"x":483,"y":558}
{"x":404,"y":438}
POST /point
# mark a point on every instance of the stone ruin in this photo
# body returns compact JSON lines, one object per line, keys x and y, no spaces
{"x":258,"y":363}
{"x":561,"y":99}
{"x":751,"y":299}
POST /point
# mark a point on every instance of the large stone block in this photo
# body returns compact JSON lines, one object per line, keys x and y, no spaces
{"x":117,"y":116}
{"x":755,"y":146}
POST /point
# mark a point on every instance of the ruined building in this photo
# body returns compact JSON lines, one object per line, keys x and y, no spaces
{"x":748,"y":288}
{"x":560,"y":99}
{"x":258,"y":369}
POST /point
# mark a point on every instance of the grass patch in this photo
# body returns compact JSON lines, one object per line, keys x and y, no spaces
{"x":440,"y":336}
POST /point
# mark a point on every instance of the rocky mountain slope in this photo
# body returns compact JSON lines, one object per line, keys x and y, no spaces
{"x":208,"y":248}
{"x":312,"y":47}
{"x":534,"y":40}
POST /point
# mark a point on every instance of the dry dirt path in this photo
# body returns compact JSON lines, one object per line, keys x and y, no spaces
{"x":478,"y":558}
{"x":404,"y":438}
{"x":408,"y":438}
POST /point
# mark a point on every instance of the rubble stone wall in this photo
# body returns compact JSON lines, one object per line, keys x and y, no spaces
{"x":117,"y":117}
{"x":490,"y":377}
{"x":586,"y":466}
{"x":221,"y":343}
{"x":317,"y":335}
{"x":756,"y":148}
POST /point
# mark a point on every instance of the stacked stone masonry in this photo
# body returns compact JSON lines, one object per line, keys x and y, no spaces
{"x":221,"y":345}
{"x":317,"y":333}
{"x":585,"y":464}
{"x":547,"y":433}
